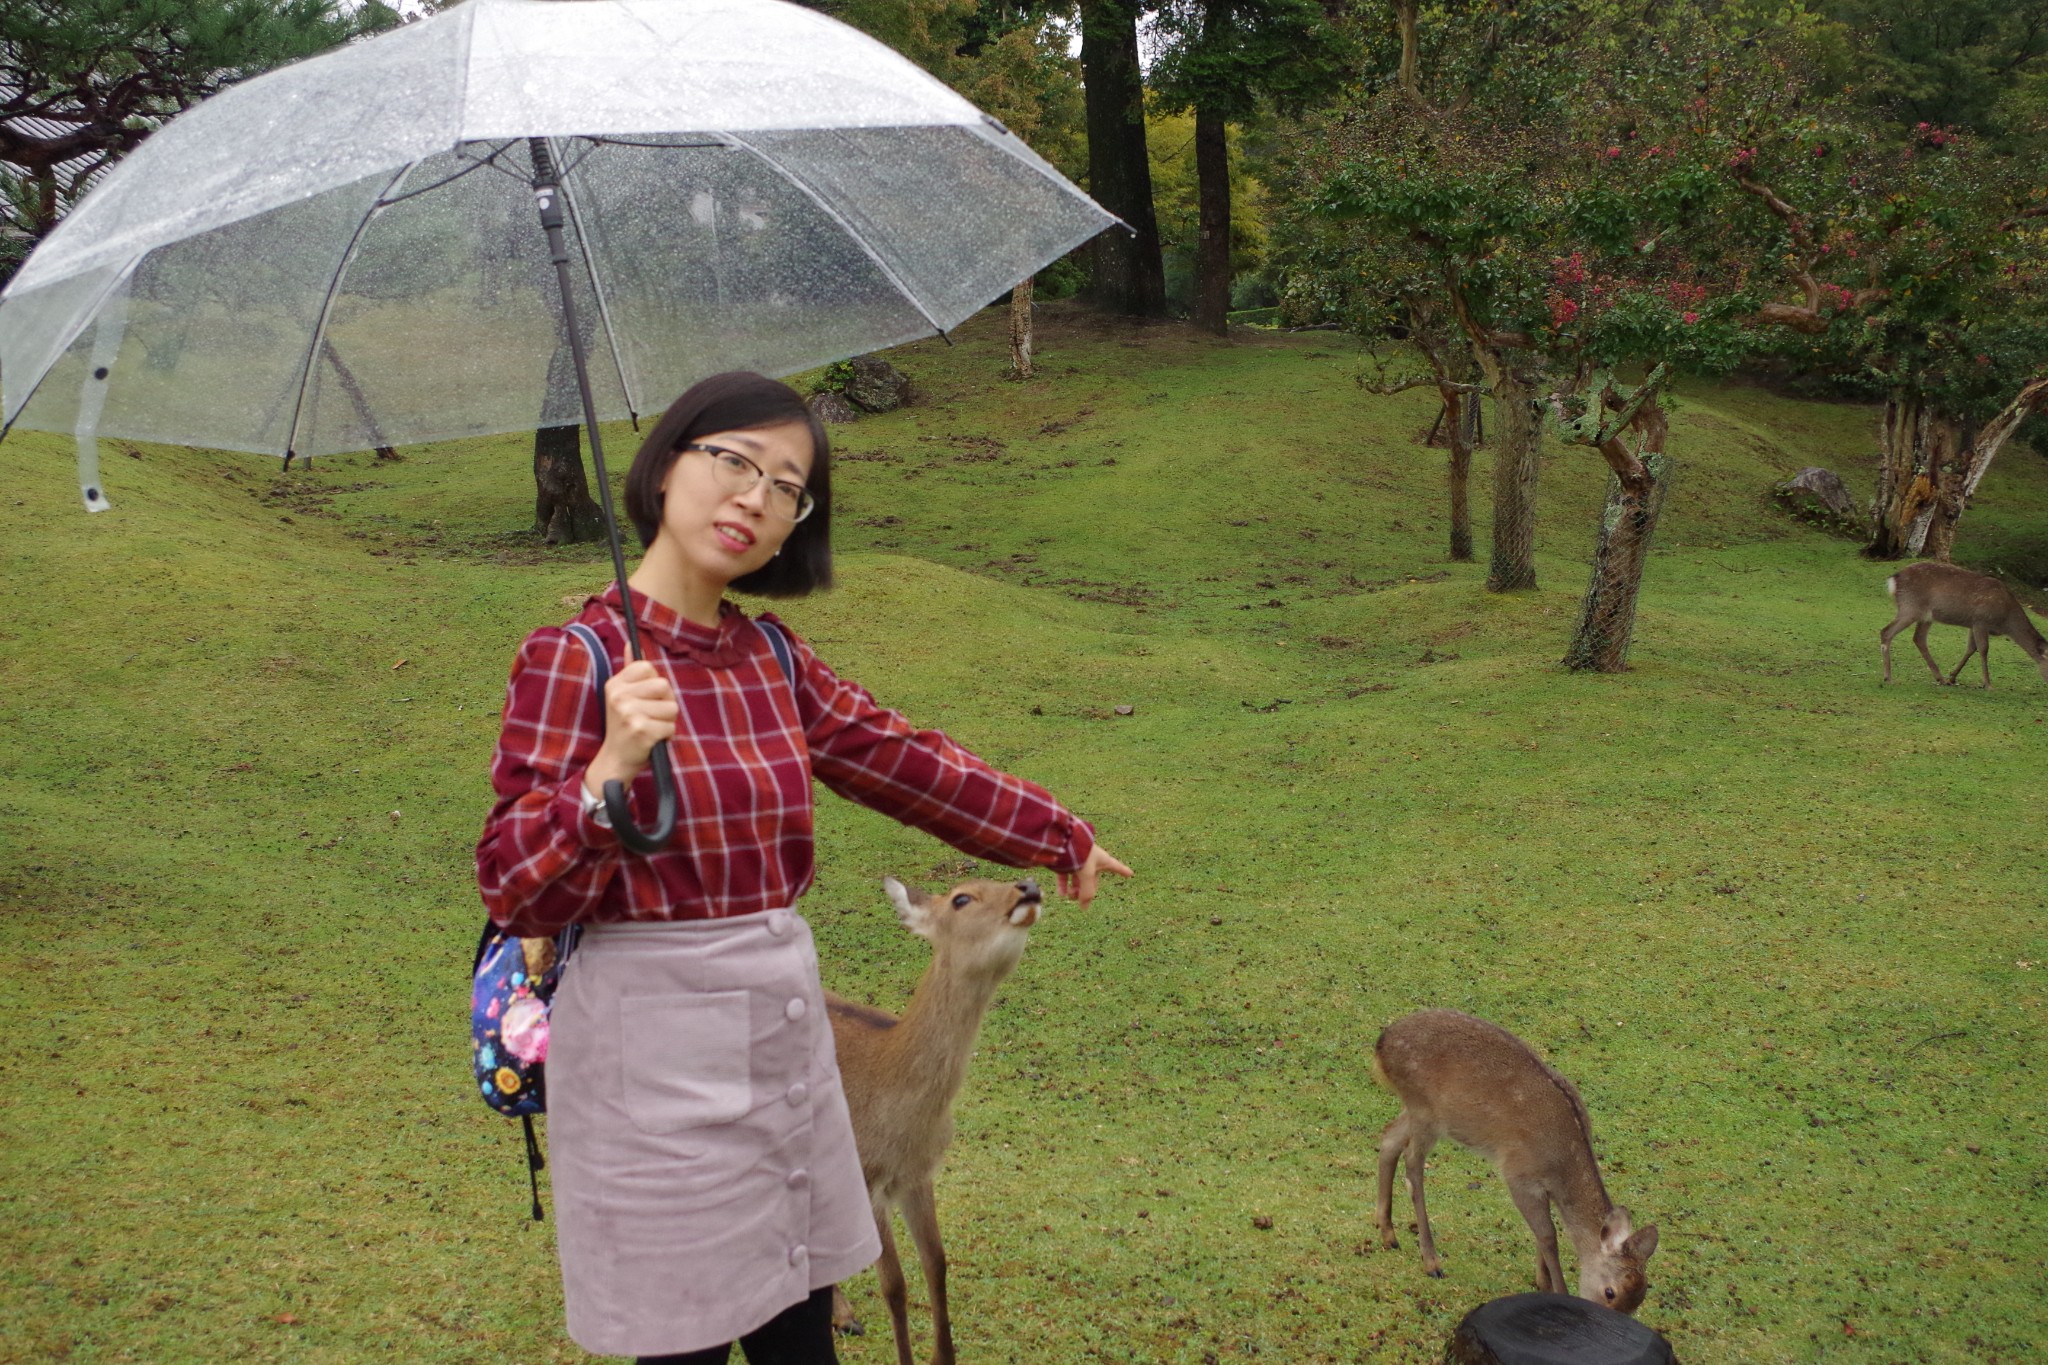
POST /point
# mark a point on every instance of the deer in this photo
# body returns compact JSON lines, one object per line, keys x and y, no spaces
{"x":1461,"y":1077}
{"x":1931,"y":593}
{"x":902,"y":1074}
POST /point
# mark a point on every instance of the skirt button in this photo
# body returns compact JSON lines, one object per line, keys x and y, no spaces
{"x":778,"y":923}
{"x":795,"y":1009}
{"x":798,"y":1093}
{"x":797,"y":1254}
{"x":798,"y":1179}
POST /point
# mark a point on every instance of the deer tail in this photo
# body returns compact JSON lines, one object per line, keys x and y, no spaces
{"x":1891,"y":585}
{"x":1379,"y":1072}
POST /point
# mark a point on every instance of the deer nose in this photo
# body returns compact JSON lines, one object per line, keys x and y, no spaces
{"x":1028,"y":888}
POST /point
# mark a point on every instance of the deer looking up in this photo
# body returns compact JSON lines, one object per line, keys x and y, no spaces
{"x":1462,"y":1077}
{"x":1931,"y":593}
{"x":901,"y":1075}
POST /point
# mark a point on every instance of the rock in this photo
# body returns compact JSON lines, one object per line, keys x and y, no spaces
{"x":1817,"y":493}
{"x":876,"y":385}
{"x":832,"y":408}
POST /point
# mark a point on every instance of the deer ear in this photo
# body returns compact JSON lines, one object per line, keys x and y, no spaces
{"x":1643,"y":1244}
{"x":911,"y":907}
{"x":1614,"y":1229}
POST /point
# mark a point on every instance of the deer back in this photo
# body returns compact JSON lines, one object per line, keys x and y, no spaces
{"x":1481,"y":1086}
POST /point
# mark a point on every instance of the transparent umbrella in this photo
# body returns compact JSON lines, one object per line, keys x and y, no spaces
{"x":390,"y":243}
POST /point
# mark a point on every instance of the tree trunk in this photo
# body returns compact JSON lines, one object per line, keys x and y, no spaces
{"x":1020,"y":329}
{"x":1212,"y":246}
{"x":1128,"y":274}
{"x":1460,"y":410}
{"x":563,"y":511}
{"x":1607,"y":620}
{"x":1916,"y":443}
{"x":1517,"y":451}
{"x":1959,"y":477}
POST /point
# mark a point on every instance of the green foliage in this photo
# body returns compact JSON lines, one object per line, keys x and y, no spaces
{"x":1555,"y":233}
{"x":1964,"y":64}
{"x":1009,"y":59}
{"x":1230,"y":58}
{"x":1170,"y":144}
{"x":834,"y":378}
{"x":110,"y":71}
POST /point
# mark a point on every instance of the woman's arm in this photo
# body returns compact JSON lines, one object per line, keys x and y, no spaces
{"x":871,"y":754}
{"x":542,"y":863}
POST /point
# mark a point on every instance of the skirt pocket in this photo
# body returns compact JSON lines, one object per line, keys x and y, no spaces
{"x":684,"y":1059}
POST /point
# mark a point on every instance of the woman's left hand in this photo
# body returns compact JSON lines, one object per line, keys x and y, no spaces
{"x":1079,"y":885}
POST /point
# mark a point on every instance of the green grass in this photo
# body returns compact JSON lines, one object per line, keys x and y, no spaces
{"x":1783,"y":926}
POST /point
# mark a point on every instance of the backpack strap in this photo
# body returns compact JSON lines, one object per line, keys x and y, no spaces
{"x":778,"y":641}
{"x":600,"y":658}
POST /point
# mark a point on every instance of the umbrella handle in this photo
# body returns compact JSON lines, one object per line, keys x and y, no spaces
{"x":620,"y":809}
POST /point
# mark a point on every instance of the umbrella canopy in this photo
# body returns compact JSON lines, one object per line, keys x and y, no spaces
{"x":343,"y":253}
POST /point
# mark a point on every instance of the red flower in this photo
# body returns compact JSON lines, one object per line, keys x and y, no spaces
{"x":1691,"y":318}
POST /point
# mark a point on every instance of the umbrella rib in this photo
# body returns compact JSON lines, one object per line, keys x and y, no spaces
{"x":475,"y":165}
{"x":836,"y":216}
{"x":604,"y":308}
{"x":291,"y":440}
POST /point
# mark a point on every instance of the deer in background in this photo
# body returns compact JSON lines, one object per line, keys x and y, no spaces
{"x":1931,"y":593}
{"x":1461,"y":1077}
{"x":901,"y":1075}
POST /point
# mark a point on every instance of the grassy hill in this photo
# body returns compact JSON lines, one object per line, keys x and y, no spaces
{"x":1783,"y":926}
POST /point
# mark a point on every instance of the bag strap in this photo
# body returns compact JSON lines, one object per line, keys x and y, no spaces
{"x":600,"y":658}
{"x":778,"y":641}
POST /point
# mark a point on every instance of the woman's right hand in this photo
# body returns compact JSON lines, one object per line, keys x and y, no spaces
{"x":639,"y":712}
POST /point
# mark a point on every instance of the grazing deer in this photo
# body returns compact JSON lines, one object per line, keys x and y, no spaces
{"x":1930,"y":593}
{"x":1461,"y":1077}
{"x":901,"y":1075}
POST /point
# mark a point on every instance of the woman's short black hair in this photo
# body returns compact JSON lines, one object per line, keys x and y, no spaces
{"x":740,"y":400}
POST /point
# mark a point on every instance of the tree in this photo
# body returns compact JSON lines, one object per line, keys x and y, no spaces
{"x":1128,"y":275}
{"x":83,"y":82}
{"x":1566,"y":251}
{"x":1961,"y":64}
{"x":1914,"y":274}
{"x":1224,"y":58}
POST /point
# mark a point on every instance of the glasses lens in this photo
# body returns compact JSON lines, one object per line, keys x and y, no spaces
{"x":789,"y":500}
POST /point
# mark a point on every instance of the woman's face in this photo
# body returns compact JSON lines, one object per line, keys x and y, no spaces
{"x":714,"y":523}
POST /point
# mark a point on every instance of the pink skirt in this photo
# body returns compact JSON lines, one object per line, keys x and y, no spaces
{"x":704,"y":1171}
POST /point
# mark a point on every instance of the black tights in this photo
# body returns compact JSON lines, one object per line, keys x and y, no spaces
{"x":800,"y":1334}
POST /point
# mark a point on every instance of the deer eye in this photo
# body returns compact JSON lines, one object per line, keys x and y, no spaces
{"x":962,"y":901}
{"x":1610,"y":1296}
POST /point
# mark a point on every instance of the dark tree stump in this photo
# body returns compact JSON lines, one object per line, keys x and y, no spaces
{"x":1553,"y":1329}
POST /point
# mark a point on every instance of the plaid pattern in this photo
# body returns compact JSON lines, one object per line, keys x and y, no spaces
{"x":744,"y":752}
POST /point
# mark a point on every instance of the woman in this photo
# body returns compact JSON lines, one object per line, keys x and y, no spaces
{"x":706,"y":1183}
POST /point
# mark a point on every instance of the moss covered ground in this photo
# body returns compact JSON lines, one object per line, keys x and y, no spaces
{"x":1784,"y":927}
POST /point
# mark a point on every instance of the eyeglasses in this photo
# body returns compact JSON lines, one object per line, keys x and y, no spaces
{"x":738,"y":474}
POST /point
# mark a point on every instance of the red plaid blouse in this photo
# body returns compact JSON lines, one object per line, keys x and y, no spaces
{"x":745,"y":750}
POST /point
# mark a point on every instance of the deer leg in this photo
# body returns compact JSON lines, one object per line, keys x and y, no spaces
{"x":1884,"y":644}
{"x":1984,"y":653}
{"x":895,"y":1293}
{"x":1418,"y":1156}
{"x":1391,"y":1142}
{"x":1920,"y":639}
{"x":843,"y":1320}
{"x":1960,"y":664}
{"x":1534,"y":1204}
{"x":921,"y":1215}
